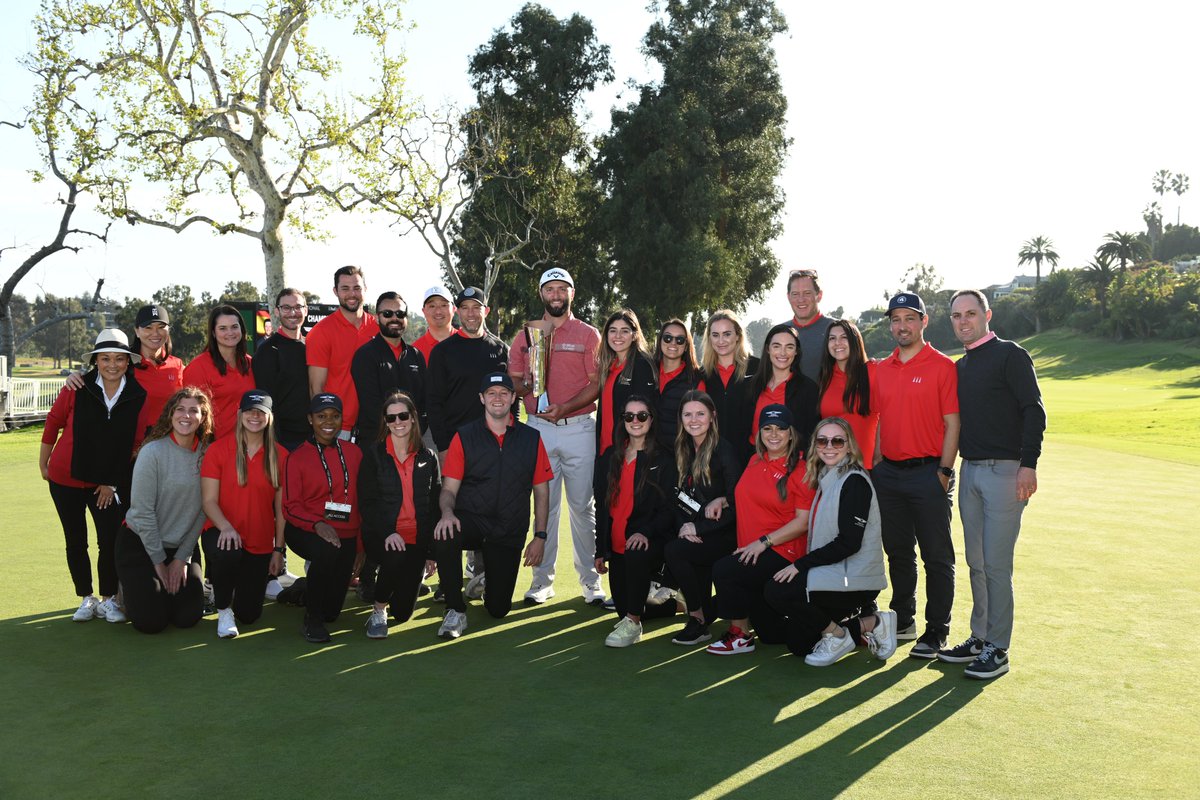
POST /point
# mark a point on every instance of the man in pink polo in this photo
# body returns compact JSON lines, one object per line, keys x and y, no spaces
{"x":567,"y":428}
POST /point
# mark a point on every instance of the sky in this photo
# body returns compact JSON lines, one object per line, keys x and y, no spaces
{"x":943,"y":133}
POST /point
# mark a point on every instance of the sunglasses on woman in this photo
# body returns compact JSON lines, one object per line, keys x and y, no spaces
{"x":669,"y":339}
{"x":403,"y":416}
{"x":837,"y":442}
{"x":640,"y":416}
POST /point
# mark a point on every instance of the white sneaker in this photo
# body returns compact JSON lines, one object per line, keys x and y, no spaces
{"x":454,"y":624}
{"x":274,"y":587}
{"x":830,"y":649}
{"x":594,"y":595}
{"x":475,"y":587}
{"x":539,"y":593}
{"x":287,"y":579}
{"x":660,"y":594}
{"x":882,"y":638}
{"x":226,"y":624}
{"x":109,"y":611}
{"x":87,"y":609}
{"x":626,"y":633}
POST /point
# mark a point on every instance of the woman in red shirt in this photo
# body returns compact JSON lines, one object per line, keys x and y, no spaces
{"x":624,"y":369}
{"x":779,"y":380}
{"x":240,"y":488}
{"x":846,"y":378}
{"x":158,"y":371}
{"x":398,"y":487}
{"x":634,"y":518}
{"x":773,"y":501}
{"x":678,"y":373}
{"x":223,"y":369}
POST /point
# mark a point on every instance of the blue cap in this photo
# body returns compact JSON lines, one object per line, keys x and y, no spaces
{"x":324,"y":400}
{"x":775,"y":414}
{"x":907,"y":300}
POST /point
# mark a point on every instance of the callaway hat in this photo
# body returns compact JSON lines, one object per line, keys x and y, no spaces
{"x":113,"y":340}
{"x":255,"y":398}
{"x":324,"y":400}
{"x":438,"y":291}
{"x":907,"y":300}
{"x":775,"y":414}
{"x":148,"y":314}
{"x":556,"y":274}
{"x":496,"y":379}
{"x":471,"y":293}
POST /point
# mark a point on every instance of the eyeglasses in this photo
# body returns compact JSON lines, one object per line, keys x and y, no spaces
{"x":669,"y":339}
{"x":640,"y":416}
{"x":403,"y":416}
{"x":836,"y":442}
{"x":291,"y":309}
{"x":388,"y":313}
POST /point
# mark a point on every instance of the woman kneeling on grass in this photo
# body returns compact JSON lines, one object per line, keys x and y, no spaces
{"x":773,"y":502}
{"x":243,"y":539}
{"x":828,"y":593}
{"x":634,"y":518}
{"x":160,"y":581}
{"x":398,"y":485}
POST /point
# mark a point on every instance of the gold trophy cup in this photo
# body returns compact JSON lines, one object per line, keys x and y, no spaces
{"x":539,"y":364}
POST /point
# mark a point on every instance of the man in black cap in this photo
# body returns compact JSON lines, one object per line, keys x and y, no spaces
{"x":916,"y":392}
{"x":496,"y":462}
{"x":280,"y":369}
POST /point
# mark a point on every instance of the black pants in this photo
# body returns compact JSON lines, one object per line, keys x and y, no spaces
{"x":500,"y":562}
{"x":916,"y":512}
{"x":328,"y":573}
{"x":70,"y":502}
{"x":692,"y":563}
{"x":629,"y":576}
{"x":400,"y":574}
{"x":238,"y":578}
{"x":148,"y":606}
{"x":809,"y":613}
{"x":741,"y":593}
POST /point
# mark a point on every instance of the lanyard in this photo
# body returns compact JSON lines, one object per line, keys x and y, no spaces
{"x":345,"y":469}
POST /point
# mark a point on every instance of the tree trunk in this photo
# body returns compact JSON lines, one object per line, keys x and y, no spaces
{"x":274,"y":217}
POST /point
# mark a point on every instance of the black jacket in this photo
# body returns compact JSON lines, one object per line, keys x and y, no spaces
{"x":103,"y":440}
{"x":731,"y":414}
{"x":281,"y":371}
{"x":653,"y":507}
{"x":456,"y":368}
{"x":669,"y":400}
{"x":801,"y":397}
{"x":377,"y":373}
{"x":724,"y":474}
{"x":498,"y":481}
{"x":381,"y":492}
{"x":639,"y":376}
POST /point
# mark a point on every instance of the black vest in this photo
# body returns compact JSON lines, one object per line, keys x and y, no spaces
{"x":497,"y":481}
{"x":381,"y":492}
{"x":103,"y":451}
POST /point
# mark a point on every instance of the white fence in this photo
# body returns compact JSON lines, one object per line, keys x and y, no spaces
{"x":26,"y":399}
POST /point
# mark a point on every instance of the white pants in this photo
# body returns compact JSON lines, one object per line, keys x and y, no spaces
{"x":572,"y":452}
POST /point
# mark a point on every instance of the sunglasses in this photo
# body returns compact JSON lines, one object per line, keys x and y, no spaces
{"x":640,"y":416}
{"x":669,"y":339}
{"x":403,"y":416}
{"x":388,"y":314}
{"x":803,"y":273}
{"x":837,"y":442}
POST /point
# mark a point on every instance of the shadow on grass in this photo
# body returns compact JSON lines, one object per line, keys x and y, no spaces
{"x":1064,"y":356}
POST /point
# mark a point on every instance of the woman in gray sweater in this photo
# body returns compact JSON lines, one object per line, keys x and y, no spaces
{"x":160,"y":581}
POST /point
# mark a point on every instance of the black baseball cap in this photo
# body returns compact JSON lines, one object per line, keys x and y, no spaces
{"x":496,"y":379}
{"x":471,"y":293}
{"x":775,"y":414}
{"x":148,"y":314}
{"x":907,"y":300}
{"x":255,"y":398}
{"x":324,"y":400}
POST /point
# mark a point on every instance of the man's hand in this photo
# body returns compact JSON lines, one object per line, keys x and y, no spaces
{"x":446,"y":527}
{"x":1026,"y":483}
{"x":533,"y":553}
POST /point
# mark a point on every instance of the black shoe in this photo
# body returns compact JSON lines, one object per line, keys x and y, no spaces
{"x":423,"y":590}
{"x":314,"y":631}
{"x":964,"y":653}
{"x":295,"y":594}
{"x":694,"y":632}
{"x":928,"y":645}
{"x":991,"y":663}
{"x":439,"y":596}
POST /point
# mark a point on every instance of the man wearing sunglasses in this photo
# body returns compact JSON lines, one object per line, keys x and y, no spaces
{"x":812,"y":327}
{"x":385,"y":364}
{"x":916,"y":392}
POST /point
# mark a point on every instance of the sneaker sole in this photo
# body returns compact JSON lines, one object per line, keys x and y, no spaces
{"x":729,"y":652}
{"x":923,"y":655}
{"x":226,"y":635}
{"x":618,"y":645}
{"x":949,"y":659}
{"x":983,"y":676}
{"x":901,"y":636}
{"x":448,"y":635}
{"x":377,"y":635}
{"x":689,"y":642}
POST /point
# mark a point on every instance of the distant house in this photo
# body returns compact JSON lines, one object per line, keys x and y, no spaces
{"x":1190,"y":265}
{"x":1018,"y":282}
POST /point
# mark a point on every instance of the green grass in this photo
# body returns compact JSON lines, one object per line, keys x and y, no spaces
{"x":1099,"y":702}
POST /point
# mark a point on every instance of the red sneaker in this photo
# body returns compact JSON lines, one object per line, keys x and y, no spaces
{"x":733,"y":642}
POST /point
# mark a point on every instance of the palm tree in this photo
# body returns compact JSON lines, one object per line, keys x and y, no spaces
{"x":1179,"y":185}
{"x":1161,"y":182}
{"x":1124,"y":247}
{"x":1035,"y":251}
{"x":1099,"y":274}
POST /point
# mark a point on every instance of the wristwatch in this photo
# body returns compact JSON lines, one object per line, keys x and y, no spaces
{"x":539,"y":535}
{"x":947,"y":471}
{"x":281,"y":550}
{"x":766,"y":539}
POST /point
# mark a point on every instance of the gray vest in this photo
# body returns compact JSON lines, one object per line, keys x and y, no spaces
{"x":862,"y":570}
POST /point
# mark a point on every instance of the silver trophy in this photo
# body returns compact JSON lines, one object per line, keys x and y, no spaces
{"x":539,"y":364}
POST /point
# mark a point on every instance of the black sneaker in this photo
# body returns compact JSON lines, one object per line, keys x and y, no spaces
{"x":694,"y":632}
{"x":423,"y":590}
{"x":314,"y":631}
{"x":991,"y":663}
{"x":964,"y":653}
{"x":928,"y":645}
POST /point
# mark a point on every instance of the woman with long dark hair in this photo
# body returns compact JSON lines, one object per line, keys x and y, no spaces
{"x":624,"y":368}
{"x":845,"y":384}
{"x":727,"y":366}
{"x":634,"y":518}
{"x":828,"y":594}
{"x":678,"y":373}
{"x":240,"y":484}
{"x":89,"y":467}
{"x":223,"y":369}
{"x":398,"y":486}
{"x":159,"y":578}
{"x":779,"y":381}
{"x":773,"y":501}
{"x":704,"y":500}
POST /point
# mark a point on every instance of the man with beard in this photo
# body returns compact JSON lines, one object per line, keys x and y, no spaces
{"x":385,"y":364}
{"x":280,"y":370}
{"x":333,"y":341}
{"x":566,"y":425}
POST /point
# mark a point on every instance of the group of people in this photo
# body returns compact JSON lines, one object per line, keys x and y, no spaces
{"x":780,"y":494}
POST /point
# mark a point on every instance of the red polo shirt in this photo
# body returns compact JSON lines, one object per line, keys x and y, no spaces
{"x":864,"y":427}
{"x":769,"y":397}
{"x":160,"y":382}
{"x":610,"y":413}
{"x":406,"y":519}
{"x":623,"y":507}
{"x":331,"y":344}
{"x":250,"y":509}
{"x":574,"y":350}
{"x":912,"y":399}
{"x":225,"y":391}
{"x":759,"y":509}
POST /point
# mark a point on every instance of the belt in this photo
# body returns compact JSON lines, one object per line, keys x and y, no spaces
{"x":989,"y":462}
{"x":909,"y":463}
{"x":562,"y":422}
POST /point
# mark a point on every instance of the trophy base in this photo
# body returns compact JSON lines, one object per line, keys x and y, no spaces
{"x":543,"y":403}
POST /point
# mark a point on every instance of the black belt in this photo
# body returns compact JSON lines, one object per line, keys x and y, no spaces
{"x":909,"y":463}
